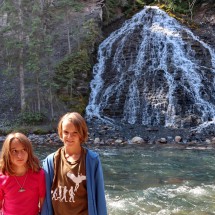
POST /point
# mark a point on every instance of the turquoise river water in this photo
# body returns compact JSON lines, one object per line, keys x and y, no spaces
{"x":161,"y":181}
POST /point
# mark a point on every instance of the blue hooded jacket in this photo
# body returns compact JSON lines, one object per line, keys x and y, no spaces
{"x":95,"y":184}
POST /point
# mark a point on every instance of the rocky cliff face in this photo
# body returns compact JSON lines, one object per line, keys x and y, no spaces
{"x":204,"y":17}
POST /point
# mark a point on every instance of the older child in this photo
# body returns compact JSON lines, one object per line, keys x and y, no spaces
{"x":22,"y":181}
{"x":74,"y":177}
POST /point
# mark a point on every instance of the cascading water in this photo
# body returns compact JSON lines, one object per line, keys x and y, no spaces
{"x":153,"y":71}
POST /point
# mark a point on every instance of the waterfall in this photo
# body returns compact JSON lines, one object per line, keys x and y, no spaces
{"x":153,"y":71}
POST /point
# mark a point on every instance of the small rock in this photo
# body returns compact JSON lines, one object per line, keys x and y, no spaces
{"x":178,"y":139}
{"x":96,"y":140}
{"x":118,"y":141}
{"x":137,"y":140}
{"x":213,"y":140}
{"x":163,"y":140}
{"x":208,"y":141}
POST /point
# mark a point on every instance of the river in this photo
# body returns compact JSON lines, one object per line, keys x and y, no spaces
{"x":155,"y":180}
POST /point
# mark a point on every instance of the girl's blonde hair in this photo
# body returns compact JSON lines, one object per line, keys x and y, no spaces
{"x":78,"y":121}
{"x":5,"y":157}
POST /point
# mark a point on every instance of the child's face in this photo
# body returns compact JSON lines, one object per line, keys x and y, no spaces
{"x":70,"y":135}
{"x":18,"y":153}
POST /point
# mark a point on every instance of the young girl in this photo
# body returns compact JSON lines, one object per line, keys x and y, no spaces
{"x":74,"y":177}
{"x":22,"y":181}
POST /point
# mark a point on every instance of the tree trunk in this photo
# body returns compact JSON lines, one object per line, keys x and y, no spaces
{"x":191,"y":6}
{"x":20,"y":65}
{"x":68,"y":38}
{"x":22,"y":83}
{"x":51,"y":102}
{"x":38,"y":95}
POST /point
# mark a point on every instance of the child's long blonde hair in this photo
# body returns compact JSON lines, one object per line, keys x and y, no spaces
{"x":5,"y":157}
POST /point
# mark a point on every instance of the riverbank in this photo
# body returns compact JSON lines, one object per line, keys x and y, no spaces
{"x":101,"y":135}
{"x":126,"y":134}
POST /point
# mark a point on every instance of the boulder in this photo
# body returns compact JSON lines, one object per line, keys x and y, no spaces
{"x":137,"y":140}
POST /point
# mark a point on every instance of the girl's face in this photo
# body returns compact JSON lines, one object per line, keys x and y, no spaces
{"x":70,"y":135}
{"x":18,"y":153}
